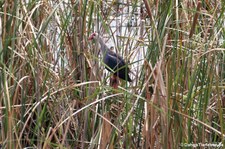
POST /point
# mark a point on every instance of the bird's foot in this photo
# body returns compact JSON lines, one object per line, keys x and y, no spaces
{"x":114,"y":81}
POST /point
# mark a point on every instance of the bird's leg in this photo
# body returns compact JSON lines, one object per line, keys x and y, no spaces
{"x":114,"y":81}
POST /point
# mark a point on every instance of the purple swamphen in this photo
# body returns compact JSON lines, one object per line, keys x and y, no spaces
{"x":114,"y":62}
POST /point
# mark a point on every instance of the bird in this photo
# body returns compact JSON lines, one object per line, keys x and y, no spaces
{"x":114,"y":62}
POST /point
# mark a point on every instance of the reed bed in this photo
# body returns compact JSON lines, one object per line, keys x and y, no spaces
{"x":55,"y":91}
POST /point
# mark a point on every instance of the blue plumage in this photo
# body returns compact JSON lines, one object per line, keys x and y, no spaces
{"x":114,"y":62}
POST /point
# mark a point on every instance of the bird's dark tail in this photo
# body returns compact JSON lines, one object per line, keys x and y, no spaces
{"x":125,"y":77}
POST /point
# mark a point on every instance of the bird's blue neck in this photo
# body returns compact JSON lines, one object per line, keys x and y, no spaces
{"x":104,"y":47}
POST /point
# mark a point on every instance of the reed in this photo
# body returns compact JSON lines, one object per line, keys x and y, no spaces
{"x":55,"y":91}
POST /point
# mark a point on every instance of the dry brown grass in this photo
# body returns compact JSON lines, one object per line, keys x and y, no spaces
{"x":55,"y":91}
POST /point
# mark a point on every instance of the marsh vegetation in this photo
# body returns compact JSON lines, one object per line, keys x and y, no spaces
{"x":55,"y":92}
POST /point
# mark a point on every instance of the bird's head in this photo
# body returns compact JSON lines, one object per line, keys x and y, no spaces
{"x":93,"y":36}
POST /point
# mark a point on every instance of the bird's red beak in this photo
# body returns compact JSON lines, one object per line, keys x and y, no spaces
{"x":90,"y":37}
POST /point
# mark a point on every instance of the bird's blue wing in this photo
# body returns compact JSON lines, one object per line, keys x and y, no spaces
{"x":114,"y":62}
